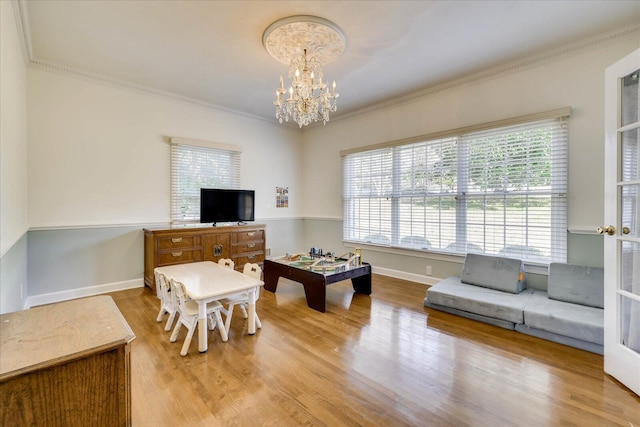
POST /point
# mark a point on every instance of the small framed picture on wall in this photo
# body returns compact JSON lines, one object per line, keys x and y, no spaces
{"x":282,"y":197}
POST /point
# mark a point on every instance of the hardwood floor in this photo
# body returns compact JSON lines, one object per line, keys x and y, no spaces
{"x":379,"y":360}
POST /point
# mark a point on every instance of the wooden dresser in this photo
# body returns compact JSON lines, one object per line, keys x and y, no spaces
{"x":66,"y":364}
{"x":168,"y":246}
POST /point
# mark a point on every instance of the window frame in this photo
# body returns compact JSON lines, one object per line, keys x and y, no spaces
{"x":185,"y":196}
{"x":556,"y":194}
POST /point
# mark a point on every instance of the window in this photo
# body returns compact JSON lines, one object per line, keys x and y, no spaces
{"x":488,"y":189}
{"x":195,"y":165}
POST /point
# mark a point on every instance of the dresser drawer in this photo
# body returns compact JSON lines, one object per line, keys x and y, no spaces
{"x":250,"y":236}
{"x":250,"y":257}
{"x":179,"y":256}
{"x":243,"y":248}
{"x":175,"y":242}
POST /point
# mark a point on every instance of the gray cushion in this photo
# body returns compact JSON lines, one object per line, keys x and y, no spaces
{"x":451,"y":292}
{"x":500,"y":273}
{"x":564,"y":318}
{"x":561,"y":339}
{"x":576,"y":284}
{"x":473,"y":316}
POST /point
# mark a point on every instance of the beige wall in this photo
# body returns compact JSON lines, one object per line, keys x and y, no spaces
{"x":574,"y":79}
{"x":13,"y":133}
{"x":98,"y":154}
{"x":99,"y":171}
{"x":13,"y":165}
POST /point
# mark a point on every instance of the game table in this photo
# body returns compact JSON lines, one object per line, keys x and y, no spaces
{"x":315,"y":275}
{"x":208,"y":281}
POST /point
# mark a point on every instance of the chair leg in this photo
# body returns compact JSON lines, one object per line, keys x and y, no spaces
{"x":227,"y":323}
{"x":243,"y":307}
{"x":176,"y":330}
{"x":258,"y":323}
{"x":187,"y":340}
{"x":223,"y":331}
{"x":160,"y":314}
{"x":170,"y":320}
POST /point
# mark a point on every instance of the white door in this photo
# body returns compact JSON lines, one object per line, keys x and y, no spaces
{"x":622,"y":218}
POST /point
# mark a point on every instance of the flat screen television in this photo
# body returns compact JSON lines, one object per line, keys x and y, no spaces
{"x":218,"y":205}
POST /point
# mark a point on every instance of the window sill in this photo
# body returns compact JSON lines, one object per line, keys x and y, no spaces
{"x":530,"y":267}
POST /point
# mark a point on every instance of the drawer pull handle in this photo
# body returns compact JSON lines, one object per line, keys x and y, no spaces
{"x":251,"y":234}
{"x":176,"y":254}
{"x":176,"y":239}
{"x":251,"y":256}
{"x":251,"y":245}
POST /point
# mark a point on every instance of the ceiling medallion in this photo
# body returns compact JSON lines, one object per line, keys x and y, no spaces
{"x":305,"y":43}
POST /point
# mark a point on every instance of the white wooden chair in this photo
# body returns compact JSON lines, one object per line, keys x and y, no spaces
{"x":242,"y":298}
{"x":168,"y":303}
{"x":189,"y":317}
{"x":226,"y":262}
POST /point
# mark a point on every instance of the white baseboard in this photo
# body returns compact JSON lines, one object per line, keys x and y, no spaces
{"x":53,"y":297}
{"x":412,"y":277}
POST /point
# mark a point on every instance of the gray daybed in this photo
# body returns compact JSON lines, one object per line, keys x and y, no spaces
{"x":493,"y":290}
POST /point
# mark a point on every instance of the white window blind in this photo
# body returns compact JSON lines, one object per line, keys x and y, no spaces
{"x":195,"y":167}
{"x":494,"y":191}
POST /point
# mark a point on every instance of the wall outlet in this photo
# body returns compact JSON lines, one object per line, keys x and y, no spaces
{"x":429,"y":270}
{"x":268,"y":252}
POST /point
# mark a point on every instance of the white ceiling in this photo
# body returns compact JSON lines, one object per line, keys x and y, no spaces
{"x":211,"y":51}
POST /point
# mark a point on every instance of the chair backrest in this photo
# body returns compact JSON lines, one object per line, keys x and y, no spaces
{"x":181,"y":294}
{"x":226,"y":262}
{"x":252,"y":270}
{"x":158,"y":290}
{"x":162,"y":287}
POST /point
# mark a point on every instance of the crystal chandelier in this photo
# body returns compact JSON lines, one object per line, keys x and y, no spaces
{"x":309,"y":97}
{"x":304,"y":43}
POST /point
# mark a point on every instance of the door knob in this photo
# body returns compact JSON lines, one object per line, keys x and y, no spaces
{"x":626,"y":230}
{"x":610,"y":230}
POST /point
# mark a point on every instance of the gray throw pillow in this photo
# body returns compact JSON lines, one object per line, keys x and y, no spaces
{"x":494,"y":272}
{"x":576,"y":284}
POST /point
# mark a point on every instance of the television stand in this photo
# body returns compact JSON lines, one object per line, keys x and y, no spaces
{"x":169,"y":246}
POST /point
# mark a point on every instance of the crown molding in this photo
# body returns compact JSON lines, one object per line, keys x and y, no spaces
{"x":136,"y":87}
{"x":527,"y":62}
{"x":24,"y":31}
{"x":24,"y":34}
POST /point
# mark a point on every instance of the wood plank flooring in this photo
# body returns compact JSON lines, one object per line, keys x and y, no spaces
{"x":379,"y":360}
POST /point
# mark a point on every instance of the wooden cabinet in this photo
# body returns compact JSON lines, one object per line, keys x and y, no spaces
{"x":168,"y":246}
{"x":216,"y":246}
{"x":66,"y":364}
